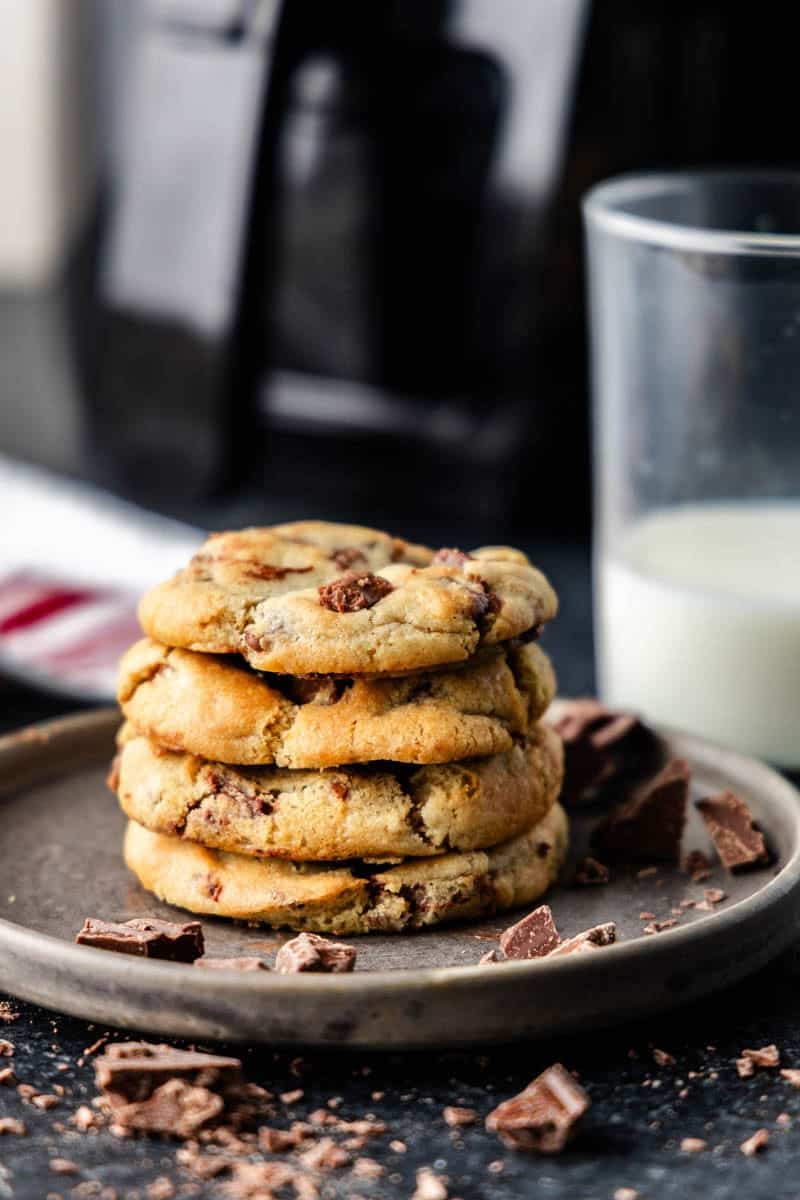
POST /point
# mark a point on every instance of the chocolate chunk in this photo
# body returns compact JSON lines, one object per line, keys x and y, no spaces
{"x":245,"y":963}
{"x":353,"y":591}
{"x":174,"y":1107}
{"x":450,"y":557}
{"x":589,"y":872}
{"x":601,"y":746}
{"x":650,"y":825}
{"x":310,"y":952}
{"x":148,"y":938}
{"x":589,"y":939}
{"x":130,"y":1072}
{"x":532,"y":937}
{"x":544,"y":1116}
{"x":730,"y":824}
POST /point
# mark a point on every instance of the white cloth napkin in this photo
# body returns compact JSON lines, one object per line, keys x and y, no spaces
{"x":73,"y":562}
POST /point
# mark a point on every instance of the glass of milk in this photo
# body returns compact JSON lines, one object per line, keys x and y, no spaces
{"x":694,"y":286}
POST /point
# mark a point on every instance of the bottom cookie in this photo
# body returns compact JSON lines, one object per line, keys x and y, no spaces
{"x":353,"y":898}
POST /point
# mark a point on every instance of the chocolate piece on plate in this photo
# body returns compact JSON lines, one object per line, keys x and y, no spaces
{"x":532,"y":937}
{"x":601,"y":746}
{"x":589,"y":872}
{"x":148,"y":938}
{"x":542,"y":1117}
{"x":310,"y":952}
{"x":589,"y":939}
{"x":650,"y":825}
{"x":730,"y":824}
{"x":245,"y":963}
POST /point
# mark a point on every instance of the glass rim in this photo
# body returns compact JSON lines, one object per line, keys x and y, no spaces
{"x":600,"y":210}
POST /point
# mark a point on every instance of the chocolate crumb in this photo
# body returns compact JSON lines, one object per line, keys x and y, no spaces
{"x":591,"y":872}
{"x":532,"y":937}
{"x":647,"y":916}
{"x":542,"y":1117}
{"x":658,"y":926}
{"x":766,"y":1056}
{"x":755,"y":1143}
{"x":8,"y":1013}
{"x":663,"y":1058}
{"x":696,"y":864}
{"x":693,"y":1145}
{"x":310,"y":952}
{"x":730,"y":825}
{"x":7,"y":1077}
{"x":455,"y":1116}
{"x":368,"y":1168}
{"x":291,"y":1097}
{"x":63,"y":1166}
{"x":715,"y":895}
{"x":491,"y":956}
{"x":791,"y":1075}
{"x":6,"y":1048}
{"x":397,"y":1146}
{"x":13,"y":1126}
{"x":45,"y":1101}
{"x":430,"y":1186}
{"x":353,"y":591}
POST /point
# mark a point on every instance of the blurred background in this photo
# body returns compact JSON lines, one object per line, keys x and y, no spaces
{"x":266,"y":259}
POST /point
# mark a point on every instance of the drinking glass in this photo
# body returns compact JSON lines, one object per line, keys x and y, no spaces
{"x":694,"y":292}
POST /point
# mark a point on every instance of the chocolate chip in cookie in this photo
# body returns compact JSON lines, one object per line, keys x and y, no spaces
{"x":353,"y":591}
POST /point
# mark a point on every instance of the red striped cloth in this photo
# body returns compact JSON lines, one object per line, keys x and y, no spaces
{"x":64,"y":637}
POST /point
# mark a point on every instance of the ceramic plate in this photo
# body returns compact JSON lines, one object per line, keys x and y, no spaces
{"x":60,"y":862}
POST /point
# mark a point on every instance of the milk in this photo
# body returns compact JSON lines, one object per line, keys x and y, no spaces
{"x":698,"y":623}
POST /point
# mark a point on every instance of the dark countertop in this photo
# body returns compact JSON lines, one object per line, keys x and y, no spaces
{"x":631,"y":1137}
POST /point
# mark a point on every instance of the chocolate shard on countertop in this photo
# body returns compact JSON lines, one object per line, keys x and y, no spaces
{"x":532,"y":937}
{"x":145,"y":937}
{"x":245,"y":963}
{"x":544,"y":1116}
{"x":130,"y":1072}
{"x":650,"y":825}
{"x":602,"y":746}
{"x":310,"y":952}
{"x":589,"y":939}
{"x":730,"y":825}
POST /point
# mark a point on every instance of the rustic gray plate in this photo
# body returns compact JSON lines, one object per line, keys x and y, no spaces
{"x":60,"y":861}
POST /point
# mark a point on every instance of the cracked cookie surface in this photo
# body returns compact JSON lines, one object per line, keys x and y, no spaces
{"x":314,"y":597}
{"x":350,"y":898}
{"x":218,"y":708}
{"x":339,"y":813}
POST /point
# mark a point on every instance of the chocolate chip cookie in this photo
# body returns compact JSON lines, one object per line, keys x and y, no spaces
{"x":381,"y":811}
{"x":218,"y":708}
{"x":317,"y":598}
{"x":354,"y":897}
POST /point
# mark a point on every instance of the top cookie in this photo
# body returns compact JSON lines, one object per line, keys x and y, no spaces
{"x":317,"y":598}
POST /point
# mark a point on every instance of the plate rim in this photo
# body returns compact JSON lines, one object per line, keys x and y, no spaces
{"x":774,"y":891}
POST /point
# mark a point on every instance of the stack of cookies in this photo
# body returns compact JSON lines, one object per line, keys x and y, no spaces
{"x":331,"y":729}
